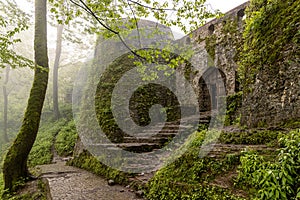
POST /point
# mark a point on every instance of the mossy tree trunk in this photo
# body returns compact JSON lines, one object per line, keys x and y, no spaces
{"x":15,"y":163}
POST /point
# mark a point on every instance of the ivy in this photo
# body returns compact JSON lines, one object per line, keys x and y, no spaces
{"x":271,"y":37}
{"x":210,"y":45}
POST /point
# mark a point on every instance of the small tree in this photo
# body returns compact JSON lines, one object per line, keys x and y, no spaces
{"x":15,"y":162}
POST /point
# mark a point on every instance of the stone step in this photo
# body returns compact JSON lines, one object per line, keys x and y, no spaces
{"x":139,"y":147}
{"x":160,"y":131}
{"x":140,"y":161}
{"x":159,"y":140}
{"x":140,"y":168}
{"x":164,"y":135}
{"x":171,"y":127}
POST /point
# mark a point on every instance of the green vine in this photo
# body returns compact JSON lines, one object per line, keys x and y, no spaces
{"x":271,"y":37}
{"x":210,"y":45}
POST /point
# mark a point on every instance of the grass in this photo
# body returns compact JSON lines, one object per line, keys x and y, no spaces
{"x":41,"y":152}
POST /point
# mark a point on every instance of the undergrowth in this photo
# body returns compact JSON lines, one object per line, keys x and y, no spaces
{"x":190,"y":176}
{"x":276,"y":179}
{"x":41,"y":150}
{"x":249,"y":137}
{"x":66,"y":139}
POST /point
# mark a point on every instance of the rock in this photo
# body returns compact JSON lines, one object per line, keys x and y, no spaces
{"x":139,"y":193}
{"x":67,"y":159}
{"x":111,"y":182}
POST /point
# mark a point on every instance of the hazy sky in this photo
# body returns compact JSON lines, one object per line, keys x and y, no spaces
{"x":222,"y":5}
{"x":225,"y":5}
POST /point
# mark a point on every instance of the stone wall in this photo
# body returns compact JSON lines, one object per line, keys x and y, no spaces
{"x":271,"y":65}
{"x":276,"y":94}
{"x":275,"y":98}
{"x":215,"y":45}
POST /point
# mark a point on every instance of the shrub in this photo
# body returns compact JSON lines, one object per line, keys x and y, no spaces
{"x":279,"y":179}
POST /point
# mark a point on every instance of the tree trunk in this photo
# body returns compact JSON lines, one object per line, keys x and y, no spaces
{"x":15,"y":163}
{"x":5,"y":104}
{"x":55,"y":71}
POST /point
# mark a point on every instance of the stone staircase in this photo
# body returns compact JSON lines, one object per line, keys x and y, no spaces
{"x":139,"y":152}
{"x":159,"y":135}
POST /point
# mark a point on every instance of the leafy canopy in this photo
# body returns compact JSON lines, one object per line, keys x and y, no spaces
{"x":12,"y":21}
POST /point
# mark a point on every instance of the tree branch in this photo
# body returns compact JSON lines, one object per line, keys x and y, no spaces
{"x":136,"y":23}
{"x":89,"y":11}
{"x":152,"y":8}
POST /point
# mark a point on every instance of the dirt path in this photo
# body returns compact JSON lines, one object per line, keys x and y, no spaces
{"x":71,"y":183}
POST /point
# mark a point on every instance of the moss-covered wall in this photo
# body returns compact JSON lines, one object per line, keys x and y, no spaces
{"x":259,"y":55}
{"x":140,"y":102}
{"x":217,"y":44}
{"x":269,"y":63}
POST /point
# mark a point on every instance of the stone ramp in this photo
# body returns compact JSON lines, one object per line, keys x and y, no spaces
{"x":71,"y":183}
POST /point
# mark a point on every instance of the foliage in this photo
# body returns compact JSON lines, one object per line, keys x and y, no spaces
{"x":271,"y":37}
{"x":278,"y":179}
{"x":292,"y":123}
{"x":109,"y":14}
{"x":41,"y":152}
{"x":40,"y":194}
{"x":86,"y":161}
{"x":210,"y":46}
{"x":189,"y":176}
{"x":249,"y":137}
{"x":66,"y":139}
{"x":234,"y":102}
{"x":118,"y":18}
{"x":12,"y":21}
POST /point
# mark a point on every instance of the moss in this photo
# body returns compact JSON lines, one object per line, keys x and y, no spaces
{"x":86,"y":161}
{"x":192,"y":177}
{"x":252,"y":137}
{"x":141,"y":101}
{"x":34,"y":190}
{"x":210,"y":46}
{"x":234,"y":103}
{"x":271,"y":38}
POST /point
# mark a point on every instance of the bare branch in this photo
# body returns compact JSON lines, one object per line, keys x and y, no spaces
{"x":136,"y":24}
{"x":152,"y":8}
{"x":89,"y":11}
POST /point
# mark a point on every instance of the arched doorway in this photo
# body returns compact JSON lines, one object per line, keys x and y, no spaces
{"x":211,"y":89}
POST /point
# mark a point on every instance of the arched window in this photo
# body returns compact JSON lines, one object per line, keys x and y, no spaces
{"x":211,"y":29}
{"x":240,"y":14}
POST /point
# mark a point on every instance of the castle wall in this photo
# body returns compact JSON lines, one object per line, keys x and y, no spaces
{"x":215,"y":45}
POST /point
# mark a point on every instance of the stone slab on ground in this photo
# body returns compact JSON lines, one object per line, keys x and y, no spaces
{"x":71,"y":183}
